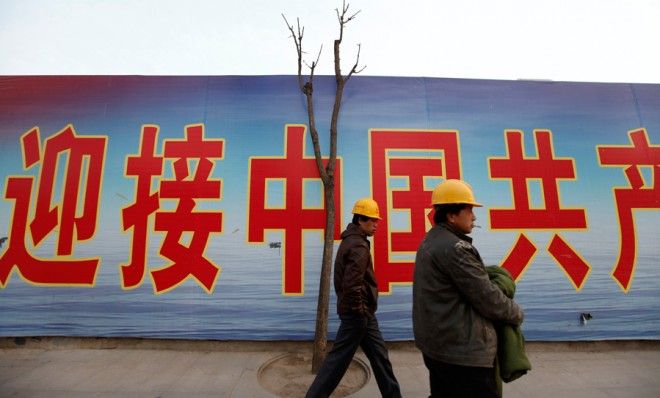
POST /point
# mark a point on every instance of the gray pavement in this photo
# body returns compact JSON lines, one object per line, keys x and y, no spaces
{"x":97,"y":367}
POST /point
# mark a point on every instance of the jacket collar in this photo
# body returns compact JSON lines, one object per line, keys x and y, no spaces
{"x":453,"y":230}
{"x":353,"y":229}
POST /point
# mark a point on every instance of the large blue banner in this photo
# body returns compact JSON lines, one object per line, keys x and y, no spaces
{"x":191,"y":207}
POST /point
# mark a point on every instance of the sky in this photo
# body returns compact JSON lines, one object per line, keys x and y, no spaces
{"x":562,"y":40}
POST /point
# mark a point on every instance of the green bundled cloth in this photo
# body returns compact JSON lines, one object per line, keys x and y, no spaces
{"x":511,"y":357}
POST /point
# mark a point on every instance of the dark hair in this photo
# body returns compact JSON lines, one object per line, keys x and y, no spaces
{"x":359,"y":217}
{"x":441,"y":211}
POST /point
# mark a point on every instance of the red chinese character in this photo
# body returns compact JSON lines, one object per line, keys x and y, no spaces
{"x":414,"y":156}
{"x":548,"y":169}
{"x":47,"y":215}
{"x":293,"y":168}
{"x":186,"y":186}
{"x":637,"y":196}
{"x":144,"y":167}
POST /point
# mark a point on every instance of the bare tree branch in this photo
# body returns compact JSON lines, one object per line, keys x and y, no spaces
{"x":343,"y":19}
{"x":312,"y":67}
{"x":307,"y":88}
{"x":354,"y":69}
{"x":297,"y":41}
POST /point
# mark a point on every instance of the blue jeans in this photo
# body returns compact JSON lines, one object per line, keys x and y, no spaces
{"x":354,"y":332}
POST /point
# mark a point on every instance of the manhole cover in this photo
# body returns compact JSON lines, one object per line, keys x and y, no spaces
{"x":289,"y":375}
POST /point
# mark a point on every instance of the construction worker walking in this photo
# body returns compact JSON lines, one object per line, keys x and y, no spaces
{"x":357,"y":300}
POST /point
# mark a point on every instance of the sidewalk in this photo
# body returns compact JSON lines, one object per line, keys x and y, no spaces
{"x":101,"y":368}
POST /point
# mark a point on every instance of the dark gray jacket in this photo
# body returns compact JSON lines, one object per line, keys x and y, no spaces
{"x":455,"y":303}
{"x":354,"y":279}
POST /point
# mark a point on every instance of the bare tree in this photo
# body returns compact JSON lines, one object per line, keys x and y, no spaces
{"x":327,"y":173}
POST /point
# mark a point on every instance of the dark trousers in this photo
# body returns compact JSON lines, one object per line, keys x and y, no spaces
{"x":355,"y":332}
{"x":449,"y":380}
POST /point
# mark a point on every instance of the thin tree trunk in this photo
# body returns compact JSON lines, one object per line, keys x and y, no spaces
{"x":321,"y":334}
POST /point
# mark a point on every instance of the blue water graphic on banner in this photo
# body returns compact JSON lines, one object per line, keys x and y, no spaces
{"x":188,"y":207}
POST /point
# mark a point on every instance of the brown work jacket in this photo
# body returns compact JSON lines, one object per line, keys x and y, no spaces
{"x":354,"y":279}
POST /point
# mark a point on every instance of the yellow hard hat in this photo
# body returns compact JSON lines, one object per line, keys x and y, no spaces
{"x":453,"y":192}
{"x":366,"y":207}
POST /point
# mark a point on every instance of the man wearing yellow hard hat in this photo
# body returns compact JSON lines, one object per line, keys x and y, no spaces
{"x":357,"y":299}
{"x":454,"y":302}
